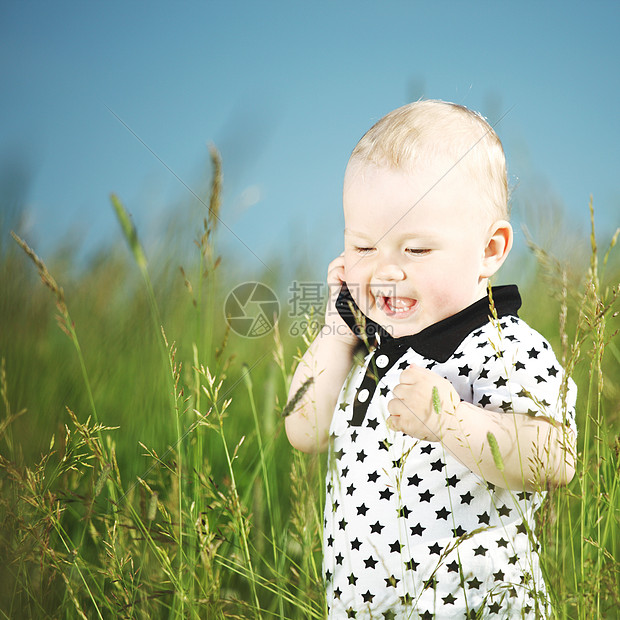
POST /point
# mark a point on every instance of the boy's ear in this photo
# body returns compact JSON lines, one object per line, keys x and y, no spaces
{"x":498,"y":247}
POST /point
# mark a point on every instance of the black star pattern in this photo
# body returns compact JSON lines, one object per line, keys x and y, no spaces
{"x":464,"y":371}
{"x":342,"y":524}
{"x":350,"y":489}
{"x":435,"y":548}
{"x":416,"y":530}
{"x":519,"y":365}
{"x":370,"y":562}
{"x":339,"y":558}
{"x":356,"y":544}
{"x":453,"y":567}
{"x":373,"y":477}
{"x":362,"y":510}
{"x":361,"y":455}
{"x":442,"y":513}
{"x":426,"y":496}
{"x":352,"y":579}
{"x":426,"y":449}
{"x":553,"y":371}
{"x":480,"y":550}
{"x":485,"y":401}
{"x":373,"y":424}
{"x":502,"y":542}
{"x":404,"y":511}
{"x":414,"y":480}
{"x":351,"y":613}
{"x":426,"y":615}
{"x":345,"y":472}
{"x":500,"y":382}
{"x":391,"y":581}
{"x":384,"y":391}
{"x":504,"y":511}
{"x":412,"y":565}
{"x":386,"y":493}
{"x":376,"y":528}
{"x":459,"y":530}
{"x":395,"y":547}
{"x":438,"y":465}
{"x":343,"y":406}
{"x":384,"y":444}
{"x":452,"y":480}
{"x":466,"y":498}
{"x":449,"y":599}
{"x":368,"y":597}
{"x":495,"y":607}
{"x":474,"y":583}
{"x":484,"y":373}
{"x":533,"y":353}
{"x":403,"y":366}
{"x":337,"y":593}
{"x":483,"y":518}
{"x":499,"y":575}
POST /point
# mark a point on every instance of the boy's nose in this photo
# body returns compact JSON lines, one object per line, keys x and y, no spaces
{"x":389,"y":271}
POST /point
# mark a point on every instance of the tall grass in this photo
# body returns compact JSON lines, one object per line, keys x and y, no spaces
{"x":144,"y":472}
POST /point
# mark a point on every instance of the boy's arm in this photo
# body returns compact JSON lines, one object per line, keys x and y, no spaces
{"x":531,"y":453}
{"x":326,"y":364}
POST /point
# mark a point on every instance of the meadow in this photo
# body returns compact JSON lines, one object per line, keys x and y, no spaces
{"x":144,"y":468}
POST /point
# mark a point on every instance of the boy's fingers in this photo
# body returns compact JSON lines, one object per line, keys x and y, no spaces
{"x":411,"y":374}
{"x":398,"y":407}
{"x":393,"y":422}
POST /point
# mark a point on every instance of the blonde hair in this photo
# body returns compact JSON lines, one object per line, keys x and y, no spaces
{"x":425,"y":131}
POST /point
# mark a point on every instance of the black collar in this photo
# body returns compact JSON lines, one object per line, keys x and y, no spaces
{"x":438,"y":341}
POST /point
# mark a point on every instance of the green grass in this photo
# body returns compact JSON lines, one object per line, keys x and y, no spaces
{"x":144,"y":469}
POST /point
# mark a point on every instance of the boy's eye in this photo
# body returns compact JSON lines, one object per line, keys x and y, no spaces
{"x":418,"y":251}
{"x":363,"y":250}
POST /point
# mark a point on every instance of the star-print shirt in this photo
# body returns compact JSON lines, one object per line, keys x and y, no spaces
{"x":409,"y":531}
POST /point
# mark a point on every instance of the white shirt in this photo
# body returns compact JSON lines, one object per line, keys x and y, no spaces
{"x":409,"y":531}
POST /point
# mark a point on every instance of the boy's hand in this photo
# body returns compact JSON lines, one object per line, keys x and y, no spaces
{"x":334,"y":325}
{"x":423,"y":404}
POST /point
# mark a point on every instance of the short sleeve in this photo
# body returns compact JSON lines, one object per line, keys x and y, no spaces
{"x":520,"y":373}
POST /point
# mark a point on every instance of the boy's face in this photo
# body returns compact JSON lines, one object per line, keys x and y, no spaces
{"x":415,"y":244}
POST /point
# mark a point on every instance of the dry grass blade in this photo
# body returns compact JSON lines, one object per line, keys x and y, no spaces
{"x":45,"y":275}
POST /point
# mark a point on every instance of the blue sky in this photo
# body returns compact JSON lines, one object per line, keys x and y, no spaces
{"x":285,"y":89}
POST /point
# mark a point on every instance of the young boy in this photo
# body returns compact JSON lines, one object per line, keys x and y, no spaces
{"x":444,"y":438}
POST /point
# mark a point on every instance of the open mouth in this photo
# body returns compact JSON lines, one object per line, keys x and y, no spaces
{"x":398,"y":307}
